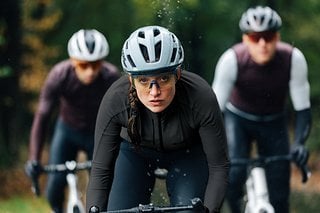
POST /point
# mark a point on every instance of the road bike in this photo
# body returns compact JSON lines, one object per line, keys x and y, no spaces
{"x":74,"y":203}
{"x":195,"y":206}
{"x":257,"y":197}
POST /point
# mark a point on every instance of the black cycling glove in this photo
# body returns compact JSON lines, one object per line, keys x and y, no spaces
{"x":302,"y":129}
{"x":33,"y":169}
{"x":300,"y":155}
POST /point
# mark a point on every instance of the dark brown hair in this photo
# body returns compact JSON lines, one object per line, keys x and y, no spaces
{"x":133,"y":121}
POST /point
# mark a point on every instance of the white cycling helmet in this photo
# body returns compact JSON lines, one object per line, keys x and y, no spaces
{"x":260,"y":19}
{"x":151,"y":50}
{"x":88,"y":45}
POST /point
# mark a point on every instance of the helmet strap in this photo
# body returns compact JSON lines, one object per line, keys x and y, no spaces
{"x":178,"y":72}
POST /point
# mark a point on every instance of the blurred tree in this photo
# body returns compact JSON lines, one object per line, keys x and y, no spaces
{"x":39,"y":20}
{"x":206,"y":29}
{"x":10,"y":52}
{"x":115,"y":19}
{"x":40,"y":17}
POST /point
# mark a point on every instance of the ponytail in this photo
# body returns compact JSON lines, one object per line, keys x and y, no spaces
{"x":133,"y":121}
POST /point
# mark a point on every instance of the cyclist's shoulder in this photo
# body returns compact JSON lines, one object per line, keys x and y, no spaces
{"x":110,"y":68}
{"x":238,"y":48}
{"x":62,"y":65}
{"x":284,"y":47}
{"x":238,"y":52}
{"x":119,"y":90}
{"x":194,"y":83}
{"x":194,"y":91}
{"x":60,"y":72}
{"x":61,"y":69}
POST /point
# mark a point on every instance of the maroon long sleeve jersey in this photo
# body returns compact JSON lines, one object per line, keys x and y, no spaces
{"x":78,"y":103}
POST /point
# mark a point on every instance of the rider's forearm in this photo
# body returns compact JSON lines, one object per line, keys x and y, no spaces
{"x":302,"y":126}
{"x":96,"y":197}
{"x":37,"y":137}
{"x":216,"y":190}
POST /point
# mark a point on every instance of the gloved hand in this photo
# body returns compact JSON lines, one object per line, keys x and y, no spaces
{"x":300,"y":155}
{"x":33,"y":169}
{"x":94,"y":209}
{"x":205,"y":209}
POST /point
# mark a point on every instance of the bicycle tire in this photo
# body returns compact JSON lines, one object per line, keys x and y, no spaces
{"x":76,"y":209}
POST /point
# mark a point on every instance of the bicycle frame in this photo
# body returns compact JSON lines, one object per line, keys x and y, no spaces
{"x":74,"y":203}
{"x":257,"y":192}
{"x":256,"y":183}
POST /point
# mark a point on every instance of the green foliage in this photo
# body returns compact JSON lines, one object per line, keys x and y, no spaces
{"x":113,"y":18}
{"x":24,"y":204}
{"x":304,"y":202}
{"x":206,"y":29}
{"x":300,"y":28}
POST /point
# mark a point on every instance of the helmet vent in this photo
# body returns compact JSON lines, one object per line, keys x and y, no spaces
{"x":131,"y":61}
{"x":180,"y":53}
{"x":78,"y":46}
{"x":173,"y":38}
{"x":156,"y":32}
{"x":158,"y":51}
{"x":144,"y":52}
{"x":90,"y":41}
{"x":141,"y":34}
{"x":262,"y":19}
{"x":173,"y":56}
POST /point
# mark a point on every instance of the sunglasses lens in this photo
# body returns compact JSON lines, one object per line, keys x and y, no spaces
{"x":266,"y":36}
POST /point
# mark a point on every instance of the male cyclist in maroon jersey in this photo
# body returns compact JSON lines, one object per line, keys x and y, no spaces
{"x":77,"y":86}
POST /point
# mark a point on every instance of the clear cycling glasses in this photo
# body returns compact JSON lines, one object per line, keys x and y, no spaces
{"x":162,"y":82}
{"x":267,"y":36}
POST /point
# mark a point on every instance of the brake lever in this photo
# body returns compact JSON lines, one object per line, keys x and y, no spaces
{"x":306,"y":173}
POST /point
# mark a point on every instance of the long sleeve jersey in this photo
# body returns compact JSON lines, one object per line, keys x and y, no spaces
{"x":192,"y":117}
{"x":78,"y":103}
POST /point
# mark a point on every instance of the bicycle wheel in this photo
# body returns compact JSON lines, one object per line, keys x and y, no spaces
{"x":76,"y":209}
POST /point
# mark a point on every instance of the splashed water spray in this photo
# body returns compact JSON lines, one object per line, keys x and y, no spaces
{"x":165,"y":11}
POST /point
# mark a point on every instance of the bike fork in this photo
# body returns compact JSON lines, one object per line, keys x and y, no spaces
{"x":257,"y":191}
{"x":74,"y":203}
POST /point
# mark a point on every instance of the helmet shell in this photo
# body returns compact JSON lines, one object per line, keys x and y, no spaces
{"x":260,"y":19}
{"x":151,"y":50}
{"x":88,"y":45}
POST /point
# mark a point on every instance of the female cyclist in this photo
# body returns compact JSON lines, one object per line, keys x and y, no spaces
{"x":158,"y":116}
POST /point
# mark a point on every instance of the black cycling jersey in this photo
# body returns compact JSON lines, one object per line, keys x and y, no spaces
{"x":192,"y":117}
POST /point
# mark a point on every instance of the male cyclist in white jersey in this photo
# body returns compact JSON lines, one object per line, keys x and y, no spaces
{"x":252,"y":81}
